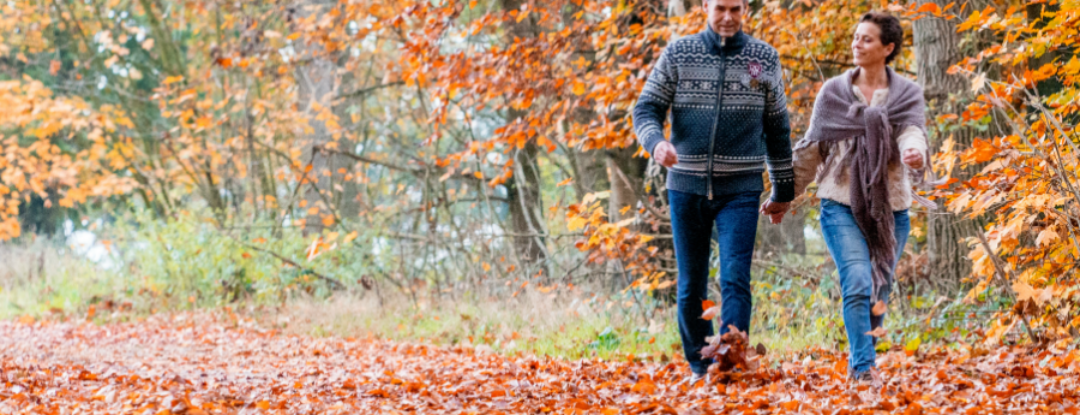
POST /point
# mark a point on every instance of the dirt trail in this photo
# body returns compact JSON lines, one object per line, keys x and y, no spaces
{"x":199,"y":364}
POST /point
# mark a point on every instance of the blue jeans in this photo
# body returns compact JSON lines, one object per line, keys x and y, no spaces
{"x":852,"y":257}
{"x":692,"y":220}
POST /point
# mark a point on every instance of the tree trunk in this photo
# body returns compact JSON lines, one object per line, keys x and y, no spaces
{"x":626,"y":173}
{"x":936,"y":50}
{"x":315,"y":80}
{"x":523,"y":190}
{"x":526,"y":209}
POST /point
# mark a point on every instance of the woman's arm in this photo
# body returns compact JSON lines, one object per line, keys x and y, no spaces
{"x":913,"y":146}
{"x":807,"y":158}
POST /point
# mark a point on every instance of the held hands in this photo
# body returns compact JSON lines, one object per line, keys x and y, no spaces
{"x":664,"y":153}
{"x":775,"y":210}
{"x":913,"y":158}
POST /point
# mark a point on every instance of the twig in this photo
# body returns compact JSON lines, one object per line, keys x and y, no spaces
{"x":1003,"y":274}
{"x":365,"y":91}
{"x":637,"y":195}
{"x":337,"y":284}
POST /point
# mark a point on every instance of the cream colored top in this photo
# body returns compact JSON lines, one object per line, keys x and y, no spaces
{"x":809,"y":164}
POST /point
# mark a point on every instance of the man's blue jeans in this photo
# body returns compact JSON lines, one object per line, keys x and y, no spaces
{"x":852,"y":257}
{"x":692,"y":220}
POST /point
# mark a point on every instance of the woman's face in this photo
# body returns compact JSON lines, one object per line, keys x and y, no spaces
{"x":866,"y":47}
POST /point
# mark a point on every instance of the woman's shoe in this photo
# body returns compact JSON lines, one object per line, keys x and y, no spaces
{"x":867,"y":377}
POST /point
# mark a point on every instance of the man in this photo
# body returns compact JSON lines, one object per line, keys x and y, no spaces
{"x":728,"y":116}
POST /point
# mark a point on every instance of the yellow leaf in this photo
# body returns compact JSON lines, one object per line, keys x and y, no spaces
{"x":912,"y":346}
{"x":575,"y":223}
{"x":522,"y":15}
{"x":203,"y":122}
{"x":579,"y":88}
{"x":1046,"y":237}
{"x":565,"y":182}
{"x":978,"y":83}
{"x":1023,"y":291}
{"x":328,"y":220}
{"x":350,"y":236}
{"x":596,"y":196}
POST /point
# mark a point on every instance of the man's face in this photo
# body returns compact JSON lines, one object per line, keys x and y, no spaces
{"x":725,"y":16}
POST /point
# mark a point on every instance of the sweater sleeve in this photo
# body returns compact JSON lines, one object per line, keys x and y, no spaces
{"x":655,"y":100}
{"x":777,"y":130}
{"x":807,"y":160}
{"x":913,"y":138}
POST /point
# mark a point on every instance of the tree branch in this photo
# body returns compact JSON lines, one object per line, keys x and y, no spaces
{"x":368,"y":90}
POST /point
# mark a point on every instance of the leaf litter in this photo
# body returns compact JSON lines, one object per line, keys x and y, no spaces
{"x":206,"y":364}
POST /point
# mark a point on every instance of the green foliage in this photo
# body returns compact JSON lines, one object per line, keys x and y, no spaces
{"x":187,"y":261}
{"x":41,"y":276}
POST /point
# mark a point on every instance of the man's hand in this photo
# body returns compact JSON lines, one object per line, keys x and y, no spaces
{"x":664,"y":153}
{"x":912,"y":158}
{"x":775,"y":210}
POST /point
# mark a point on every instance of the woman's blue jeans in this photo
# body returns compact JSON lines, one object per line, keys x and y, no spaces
{"x":852,"y":257}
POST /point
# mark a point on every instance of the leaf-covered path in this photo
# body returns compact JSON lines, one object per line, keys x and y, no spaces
{"x":198,"y":364}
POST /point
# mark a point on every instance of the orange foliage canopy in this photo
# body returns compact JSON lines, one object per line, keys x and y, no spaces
{"x":1027,"y":180}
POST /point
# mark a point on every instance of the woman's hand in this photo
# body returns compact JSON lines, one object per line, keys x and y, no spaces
{"x":913,"y":158}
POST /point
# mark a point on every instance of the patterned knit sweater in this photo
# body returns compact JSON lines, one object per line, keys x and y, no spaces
{"x":728,"y":115}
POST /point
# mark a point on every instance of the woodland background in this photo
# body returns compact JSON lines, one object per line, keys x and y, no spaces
{"x":466,"y":171}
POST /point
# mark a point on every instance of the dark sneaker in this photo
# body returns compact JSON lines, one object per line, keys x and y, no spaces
{"x":867,"y":378}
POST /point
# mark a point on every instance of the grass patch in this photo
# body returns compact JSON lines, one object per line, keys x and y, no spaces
{"x":797,"y":306}
{"x":41,"y":277}
{"x":568,"y":323}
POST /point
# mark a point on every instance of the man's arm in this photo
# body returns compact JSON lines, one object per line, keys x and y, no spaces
{"x":655,"y":100}
{"x":778,"y":135}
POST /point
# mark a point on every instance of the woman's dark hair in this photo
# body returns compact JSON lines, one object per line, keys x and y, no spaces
{"x":891,"y":31}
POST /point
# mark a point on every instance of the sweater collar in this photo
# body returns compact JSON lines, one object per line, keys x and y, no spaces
{"x":732,"y":43}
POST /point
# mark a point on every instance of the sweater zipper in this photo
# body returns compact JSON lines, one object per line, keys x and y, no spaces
{"x":716,"y":120}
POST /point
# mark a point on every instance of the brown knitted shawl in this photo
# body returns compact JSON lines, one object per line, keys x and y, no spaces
{"x":839,"y":115}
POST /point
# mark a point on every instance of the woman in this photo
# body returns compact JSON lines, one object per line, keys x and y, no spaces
{"x":866,"y":133}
